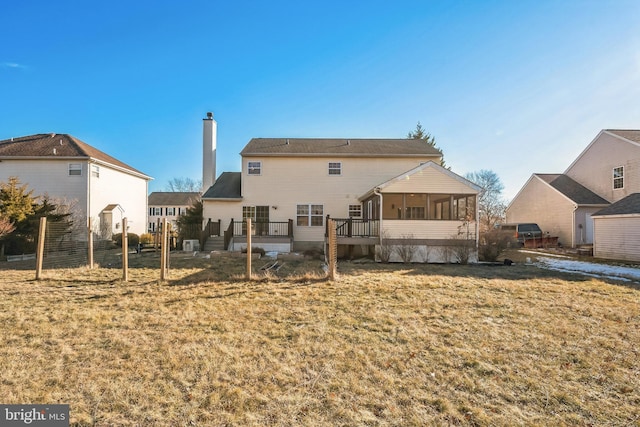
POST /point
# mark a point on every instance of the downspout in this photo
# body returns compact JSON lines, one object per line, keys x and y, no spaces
{"x":574,"y":243}
{"x":376,"y":191}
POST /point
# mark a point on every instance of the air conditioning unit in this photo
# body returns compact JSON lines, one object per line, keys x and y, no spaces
{"x":191,"y":245}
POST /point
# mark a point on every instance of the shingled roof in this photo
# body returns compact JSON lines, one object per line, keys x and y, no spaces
{"x":578,"y":193}
{"x":227,"y":186}
{"x":56,"y":146}
{"x":339,"y":147}
{"x":630,"y":134}
{"x":173,"y":198}
{"x":626,"y":206}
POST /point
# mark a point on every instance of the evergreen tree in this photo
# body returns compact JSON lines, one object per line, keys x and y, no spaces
{"x":16,"y":202}
{"x":421,"y":133}
{"x":190,"y":223}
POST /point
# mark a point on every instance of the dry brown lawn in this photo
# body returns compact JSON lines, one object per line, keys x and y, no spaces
{"x":384,"y":345}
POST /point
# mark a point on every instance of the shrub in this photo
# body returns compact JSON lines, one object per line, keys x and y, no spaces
{"x":384,"y":250}
{"x":146,"y":238}
{"x":406,"y":249}
{"x":493,"y":243}
{"x":132,"y":239}
{"x":254,"y":250}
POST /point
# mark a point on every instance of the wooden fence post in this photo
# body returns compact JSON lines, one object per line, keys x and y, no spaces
{"x":90,"y":245}
{"x":125,"y":251}
{"x":163,"y":250}
{"x":40,"y":252}
{"x":333,"y":249}
{"x":248,"y":248}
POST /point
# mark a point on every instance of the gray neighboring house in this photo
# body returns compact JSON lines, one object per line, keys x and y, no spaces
{"x":617,"y":230}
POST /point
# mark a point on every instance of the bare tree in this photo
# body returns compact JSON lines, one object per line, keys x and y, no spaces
{"x":491,"y":205}
{"x":184,"y":185}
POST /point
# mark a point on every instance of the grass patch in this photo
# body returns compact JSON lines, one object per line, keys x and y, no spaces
{"x":382,"y":345}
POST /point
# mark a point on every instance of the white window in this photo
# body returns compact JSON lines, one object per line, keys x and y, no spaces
{"x":310,"y":215}
{"x":95,"y":171}
{"x":335,"y":168}
{"x":355,"y":211}
{"x":170,"y":211}
{"x":155,"y":211}
{"x":254,"y":168}
{"x":618,"y":177}
{"x":75,"y":169}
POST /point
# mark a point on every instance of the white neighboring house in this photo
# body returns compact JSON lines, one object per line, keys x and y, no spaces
{"x":381,"y":192}
{"x":99,"y":186}
{"x":169,"y":205}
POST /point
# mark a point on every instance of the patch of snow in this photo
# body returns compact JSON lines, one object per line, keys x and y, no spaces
{"x":590,"y":269}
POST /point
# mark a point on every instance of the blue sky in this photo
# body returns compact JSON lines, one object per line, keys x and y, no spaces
{"x":516,"y":87}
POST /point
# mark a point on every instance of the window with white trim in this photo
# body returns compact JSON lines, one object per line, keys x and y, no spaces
{"x":310,"y":215}
{"x":618,"y":177}
{"x":75,"y":169}
{"x":355,"y":211}
{"x":254,"y":168}
{"x":155,"y":211}
{"x":95,"y":171}
{"x":335,"y":168}
{"x":170,"y":211}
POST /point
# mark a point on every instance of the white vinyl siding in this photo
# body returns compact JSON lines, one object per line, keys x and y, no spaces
{"x":95,"y":171}
{"x":617,"y":237}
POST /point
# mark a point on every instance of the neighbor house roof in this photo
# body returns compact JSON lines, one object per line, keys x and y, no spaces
{"x":628,"y":205}
{"x":339,"y":147}
{"x":57,"y":146}
{"x":227,"y":186}
{"x":578,"y":193}
{"x":172,"y":198}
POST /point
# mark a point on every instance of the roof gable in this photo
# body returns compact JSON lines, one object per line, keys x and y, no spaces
{"x":52,"y":146}
{"x":429,"y":172}
{"x":630,"y":136}
{"x":572,"y":190}
{"x":339,"y":147}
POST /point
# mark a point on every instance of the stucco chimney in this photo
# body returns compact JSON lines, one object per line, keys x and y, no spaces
{"x":209,"y":136}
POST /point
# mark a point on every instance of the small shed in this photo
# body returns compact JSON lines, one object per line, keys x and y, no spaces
{"x":617,"y":230}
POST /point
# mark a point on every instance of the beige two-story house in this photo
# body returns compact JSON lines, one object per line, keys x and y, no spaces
{"x":592,"y":202}
{"x":378,"y":191}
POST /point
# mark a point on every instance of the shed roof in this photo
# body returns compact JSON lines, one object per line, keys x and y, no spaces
{"x":626,"y":206}
{"x":338,"y":147}
{"x":52,"y":146}
{"x":575,"y":191}
{"x":172,"y":198}
{"x":227,"y":186}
